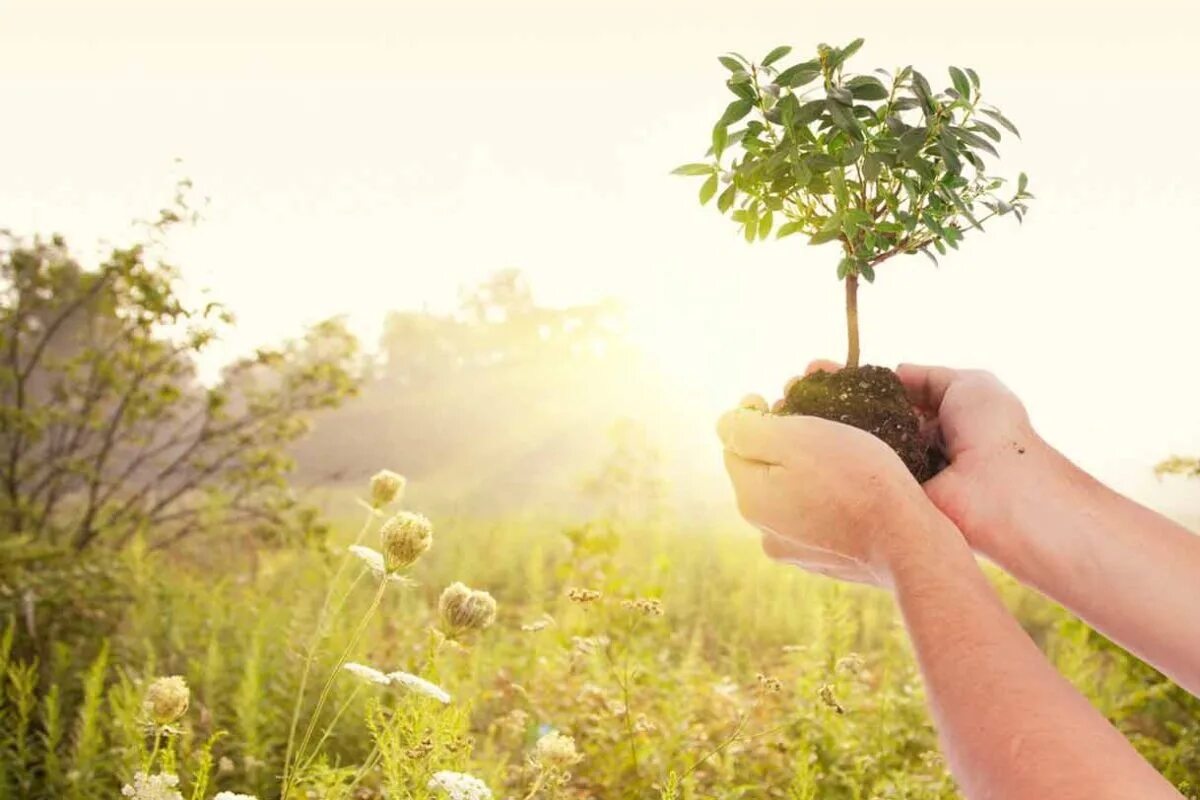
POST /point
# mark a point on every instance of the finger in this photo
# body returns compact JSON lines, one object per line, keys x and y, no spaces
{"x":754,"y":402}
{"x":926,"y":386}
{"x":753,"y":435}
{"x":750,"y":484}
{"x":822,"y":365}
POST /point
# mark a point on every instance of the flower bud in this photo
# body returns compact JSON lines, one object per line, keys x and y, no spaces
{"x":405,"y":538}
{"x":386,"y":488}
{"x":166,"y":700}
{"x":463,"y":608}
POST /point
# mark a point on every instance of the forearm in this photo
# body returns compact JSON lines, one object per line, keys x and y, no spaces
{"x":1010,"y":725}
{"x":1131,"y":573}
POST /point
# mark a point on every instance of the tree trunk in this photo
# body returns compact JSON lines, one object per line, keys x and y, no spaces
{"x":852,"y":320}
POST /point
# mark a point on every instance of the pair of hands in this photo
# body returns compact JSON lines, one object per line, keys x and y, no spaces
{"x":836,"y":500}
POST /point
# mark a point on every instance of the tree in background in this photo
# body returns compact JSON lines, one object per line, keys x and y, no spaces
{"x":106,"y":432}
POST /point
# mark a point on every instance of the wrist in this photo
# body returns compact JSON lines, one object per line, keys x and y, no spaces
{"x":922,"y":539}
{"x":1014,"y":508}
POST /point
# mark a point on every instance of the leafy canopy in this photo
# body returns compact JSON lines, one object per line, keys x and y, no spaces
{"x":880,"y":163}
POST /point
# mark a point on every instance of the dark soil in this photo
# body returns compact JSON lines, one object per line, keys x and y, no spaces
{"x":872,"y":399}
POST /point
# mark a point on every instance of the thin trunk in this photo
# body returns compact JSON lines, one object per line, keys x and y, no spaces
{"x":852,"y":320}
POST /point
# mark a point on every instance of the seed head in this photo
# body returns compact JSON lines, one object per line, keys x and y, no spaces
{"x":166,"y":700}
{"x":555,"y":751}
{"x":646,"y":606}
{"x":582,"y":596}
{"x":463,"y":608}
{"x":405,"y":538}
{"x":386,"y":487}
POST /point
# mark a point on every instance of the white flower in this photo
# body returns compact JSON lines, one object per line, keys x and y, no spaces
{"x":367,"y":673}
{"x":420,"y":685}
{"x":374,"y":560}
{"x":152,"y":787}
{"x":460,"y":786}
{"x":234,"y":796}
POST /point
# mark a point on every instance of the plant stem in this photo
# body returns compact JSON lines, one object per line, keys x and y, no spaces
{"x":852,"y":320}
{"x":311,"y":653}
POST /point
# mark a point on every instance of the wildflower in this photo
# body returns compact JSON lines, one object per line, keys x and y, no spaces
{"x":460,"y":786}
{"x":420,"y":686}
{"x":234,"y":796}
{"x":166,"y":700}
{"x":386,"y":487}
{"x":463,"y":608}
{"x":555,"y":751}
{"x":225,"y":765}
{"x":367,"y":673}
{"x":538,"y":624}
{"x":582,"y":596}
{"x":851,"y":664}
{"x":769,"y":684}
{"x":152,"y":787}
{"x":405,"y":538}
{"x":646,"y":606}
{"x":827,"y":697}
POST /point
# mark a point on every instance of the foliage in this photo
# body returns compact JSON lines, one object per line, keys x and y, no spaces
{"x":755,"y":680}
{"x":878,"y":166}
{"x":1178,"y":465}
{"x":106,"y":431}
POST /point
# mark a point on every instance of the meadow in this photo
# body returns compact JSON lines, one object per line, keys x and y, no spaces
{"x":680,"y":663}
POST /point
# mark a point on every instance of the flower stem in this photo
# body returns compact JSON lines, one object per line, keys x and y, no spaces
{"x":310,"y":656}
{"x":354,"y":639}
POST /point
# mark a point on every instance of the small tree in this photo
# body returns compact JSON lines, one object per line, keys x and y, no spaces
{"x":878,"y":166}
{"x":106,"y":431}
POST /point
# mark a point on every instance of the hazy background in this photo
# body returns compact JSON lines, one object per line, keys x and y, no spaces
{"x":369,"y":156}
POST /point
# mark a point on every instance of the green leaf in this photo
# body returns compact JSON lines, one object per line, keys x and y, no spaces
{"x":980,"y":125}
{"x":788,"y":228}
{"x":726,"y":198}
{"x":849,"y":50}
{"x":867,"y":271}
{"x":872,"y":165}
{"x":776,"y":54}
{"x":929,"y":255}
{"x":953,"y":162}
{"x":996,"y":115}
{"x":1022,"y":183}
{"x":743,"y":90}
{"x":694,"y":169}
{"x":708,"y":189}
{"x":911,"y":143}
{"x":841,"y":95}
{"x":735,"y":111}
{"x":845,"y":267}
{"x":975,"y":140}
{"x":764,"y":224}
{"x":731,"y":64}
{"x":809,"y":112}
{"x":826,"y":234}
{"x":799,"y":74}
{"x":865,"y":87}
{"x":838,"y":180}
{"x":720,"y":136}
{"x":961,"y":84}
{"x":843,"y":119}
{"x":974,"y":78}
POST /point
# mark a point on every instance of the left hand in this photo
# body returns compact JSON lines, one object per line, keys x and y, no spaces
{"x":827,"y":497}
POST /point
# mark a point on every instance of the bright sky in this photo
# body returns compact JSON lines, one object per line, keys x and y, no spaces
{"x":362,"y":156}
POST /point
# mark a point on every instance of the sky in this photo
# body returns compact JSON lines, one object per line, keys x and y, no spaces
{"x":363,"y":156}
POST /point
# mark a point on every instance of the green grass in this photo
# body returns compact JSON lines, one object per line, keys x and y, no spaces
{"x":664,"y":706}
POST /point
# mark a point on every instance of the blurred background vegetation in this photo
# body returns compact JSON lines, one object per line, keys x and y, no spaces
{"x":154,"y":521}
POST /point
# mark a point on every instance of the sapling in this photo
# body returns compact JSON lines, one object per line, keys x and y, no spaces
{"x":881,"y":165}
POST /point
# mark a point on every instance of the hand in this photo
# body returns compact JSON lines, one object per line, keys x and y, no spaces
{"x":990,"y":444}
{"x":827,"y":497}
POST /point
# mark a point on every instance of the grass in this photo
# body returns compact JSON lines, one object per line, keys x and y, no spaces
{"x":755,"y":681}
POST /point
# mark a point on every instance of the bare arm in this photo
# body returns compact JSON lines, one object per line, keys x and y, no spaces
{"x":836,"y":500}
{"x":1129,"y":572}
{"x":1010,"y":725}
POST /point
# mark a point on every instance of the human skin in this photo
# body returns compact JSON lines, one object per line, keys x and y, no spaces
{"x":1131,"y":573}
{"x":836,"y":500}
